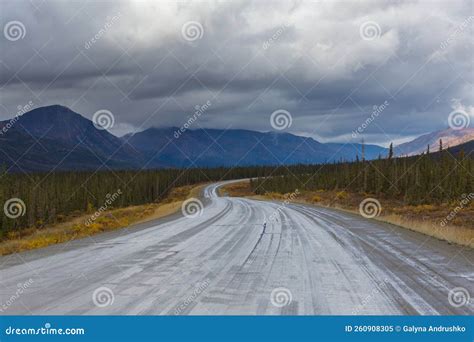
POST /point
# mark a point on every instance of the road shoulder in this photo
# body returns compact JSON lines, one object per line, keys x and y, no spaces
{"x":425,"y":219}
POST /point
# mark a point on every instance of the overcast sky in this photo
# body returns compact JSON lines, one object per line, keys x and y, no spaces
{"x":326,"y":63}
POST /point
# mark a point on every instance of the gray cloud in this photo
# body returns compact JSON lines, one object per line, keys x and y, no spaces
{"x":253,"y":58}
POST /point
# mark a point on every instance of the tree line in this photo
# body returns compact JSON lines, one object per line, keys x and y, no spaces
{"x":49,"y":198}
{"x":428,"y":178}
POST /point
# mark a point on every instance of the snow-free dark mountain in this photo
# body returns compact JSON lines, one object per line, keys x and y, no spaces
{"x":57,"y":138}
{"x":215,"y":147}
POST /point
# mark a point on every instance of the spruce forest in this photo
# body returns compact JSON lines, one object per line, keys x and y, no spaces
{"x":429,"y":178}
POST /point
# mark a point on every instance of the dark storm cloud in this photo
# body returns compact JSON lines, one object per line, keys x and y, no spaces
{"x":250,"y":59}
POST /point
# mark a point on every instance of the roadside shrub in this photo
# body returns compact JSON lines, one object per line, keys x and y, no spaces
{"x":342,"y":195}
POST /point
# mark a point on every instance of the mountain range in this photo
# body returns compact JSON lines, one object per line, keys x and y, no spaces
{"x":57,"y":138}
{"x":449,"y":137}
{"x":214,"y":147}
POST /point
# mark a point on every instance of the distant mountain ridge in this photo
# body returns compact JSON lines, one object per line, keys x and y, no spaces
{"x":238,"y":147}
{"x":449,"y":137}
{"x":68,"y":127}
{"x":57,"y":138}
{"x":467,"y":148}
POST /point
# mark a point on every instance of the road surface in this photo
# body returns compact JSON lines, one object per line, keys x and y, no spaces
{"x":244,"y":257}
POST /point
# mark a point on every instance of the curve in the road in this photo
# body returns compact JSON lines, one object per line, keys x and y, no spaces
{"x":243,"y":256}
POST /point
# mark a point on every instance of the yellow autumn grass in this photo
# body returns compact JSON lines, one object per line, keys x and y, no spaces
{"x":76,"y":228}
{"x":454,"y":234}
{"x":459,"y":230}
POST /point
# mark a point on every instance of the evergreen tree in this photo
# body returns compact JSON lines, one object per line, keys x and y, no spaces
{"x":390,"y":152}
